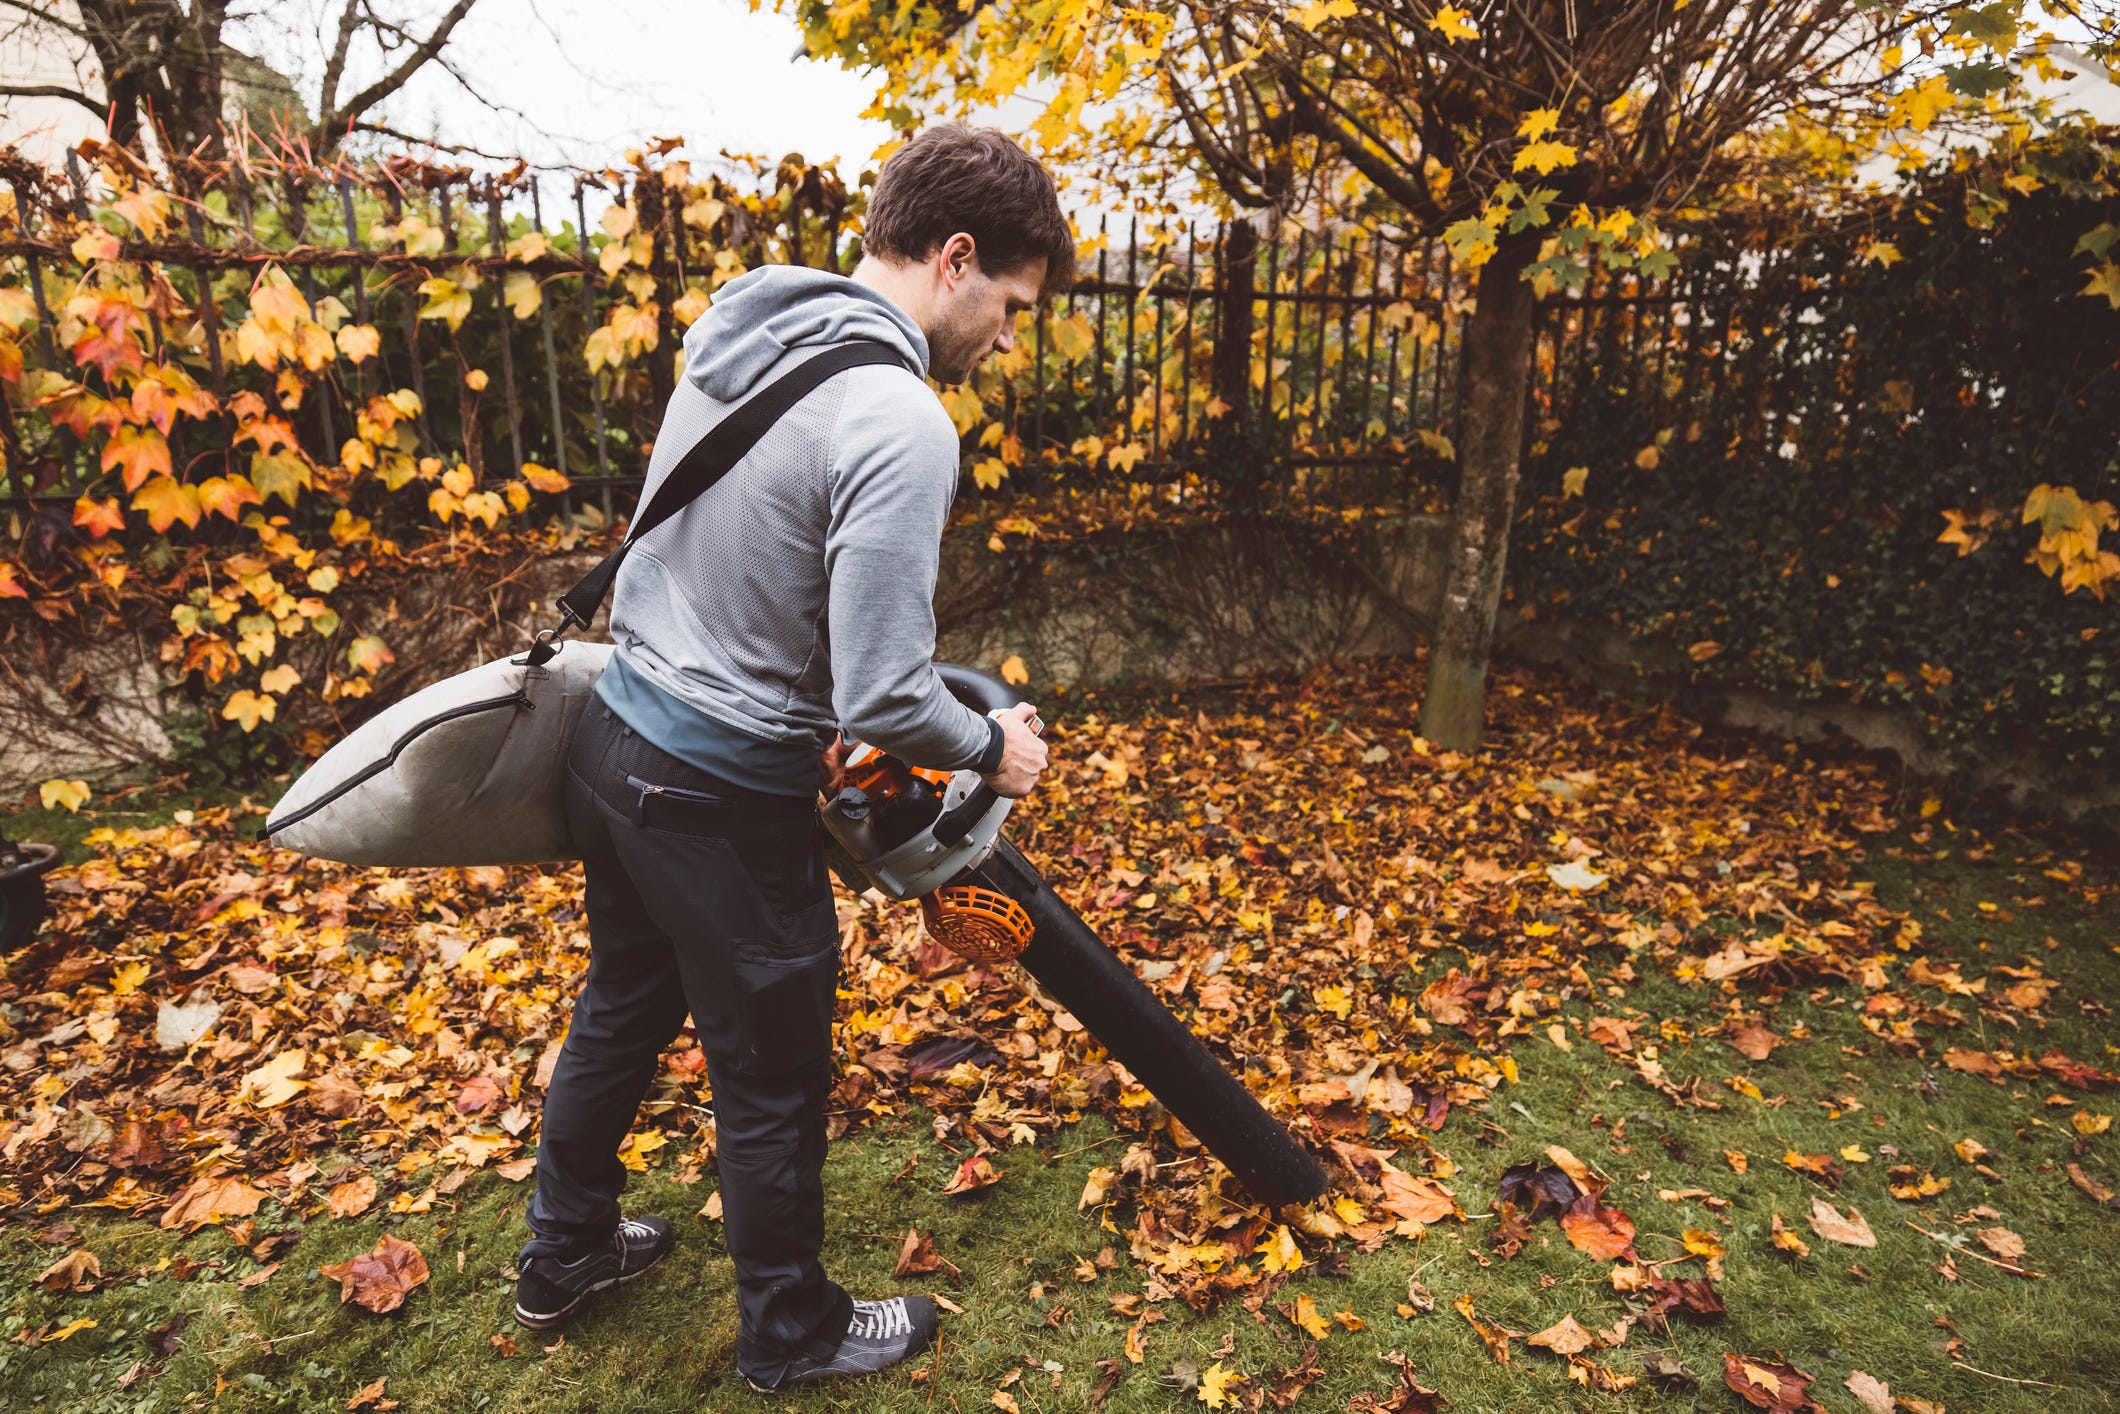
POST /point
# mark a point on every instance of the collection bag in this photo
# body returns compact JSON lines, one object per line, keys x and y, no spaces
{"x":472,"y":769}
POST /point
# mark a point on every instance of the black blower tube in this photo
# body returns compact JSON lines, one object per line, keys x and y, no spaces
{"x":1073,"y":964}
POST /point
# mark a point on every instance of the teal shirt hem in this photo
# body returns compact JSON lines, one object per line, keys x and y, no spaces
{"x":774,"y":767}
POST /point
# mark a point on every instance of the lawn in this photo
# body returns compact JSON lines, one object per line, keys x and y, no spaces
{"x":1904,"y":966}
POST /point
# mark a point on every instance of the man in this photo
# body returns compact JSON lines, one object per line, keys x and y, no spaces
{"x":793,"y":599}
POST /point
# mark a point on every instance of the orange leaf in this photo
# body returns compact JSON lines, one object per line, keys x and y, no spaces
{"x":141,"y":451}
{"x":98,"y":518}
{"x":10,"y":587}
{"x":166,"y":502}
{"x":1596,"y":1230}
{"x":227,"y":495}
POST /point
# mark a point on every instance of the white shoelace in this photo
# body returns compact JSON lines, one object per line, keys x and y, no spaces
{"x":630,"y":1229}
{"x":881,"y":1320}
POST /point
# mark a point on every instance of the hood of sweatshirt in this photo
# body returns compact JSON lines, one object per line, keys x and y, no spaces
{"x":759,"y":316}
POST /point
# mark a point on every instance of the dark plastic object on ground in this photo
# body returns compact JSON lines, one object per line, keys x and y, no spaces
{"x":22,"y":869}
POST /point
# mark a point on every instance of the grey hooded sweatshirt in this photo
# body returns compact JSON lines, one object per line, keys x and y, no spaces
{"x":797,"y":594}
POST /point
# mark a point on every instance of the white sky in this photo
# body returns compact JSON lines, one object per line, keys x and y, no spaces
{"x":602,"y":75}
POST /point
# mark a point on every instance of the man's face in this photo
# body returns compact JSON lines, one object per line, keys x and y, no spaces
{"x":975,"y":313}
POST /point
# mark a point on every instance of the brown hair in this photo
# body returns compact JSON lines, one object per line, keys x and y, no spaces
{"x":955,"y":178}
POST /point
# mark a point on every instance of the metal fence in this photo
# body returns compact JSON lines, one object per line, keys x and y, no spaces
{"x":1187,"y":355}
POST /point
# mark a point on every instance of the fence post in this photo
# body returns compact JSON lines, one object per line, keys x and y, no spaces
{"x":1235,"y":271}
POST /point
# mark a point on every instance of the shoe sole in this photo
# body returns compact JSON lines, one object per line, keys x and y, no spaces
{"x":911,"y":1351}
{"x":535,"y":1321}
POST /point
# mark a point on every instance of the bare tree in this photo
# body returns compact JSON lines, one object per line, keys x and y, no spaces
{"x":164,"y":68}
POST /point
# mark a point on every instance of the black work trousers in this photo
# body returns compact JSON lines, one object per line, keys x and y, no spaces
{"x":706,"y":898}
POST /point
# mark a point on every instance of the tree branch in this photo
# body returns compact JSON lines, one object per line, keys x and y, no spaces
{"x":329,"y":124}
{"x":52,"y":90}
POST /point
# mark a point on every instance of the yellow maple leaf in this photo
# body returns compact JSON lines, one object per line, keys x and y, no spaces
{"x":1454,"y":24}
{"x":1308,"y":1317}
{"x":1311,"y":16}
{"x":635,"y":1153}
{"x":1538,"y":122}
{"x":248,"y":709}
{"x":1573,"y":480}
{"x":2104,"y":280}
{"x":167,"y":502}
{"x":1280,"y":1251}
{"x":1917,"y":107}
{"x":359,"y":342}
{"x":1545,"y":156}
{"x":1882,"y":252}
{"x":280,"y":679}
{"x":1335,"y":1000}
{"x":1013,"y":672}
{"x":126,"y":980}
{"x":72,"y":1327}
{"x":277,"y":1081}
{"x":1214,"y":1385}
{"x":70,"y":794}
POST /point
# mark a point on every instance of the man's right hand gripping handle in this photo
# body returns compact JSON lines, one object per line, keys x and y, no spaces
{"x":1023,"y":755}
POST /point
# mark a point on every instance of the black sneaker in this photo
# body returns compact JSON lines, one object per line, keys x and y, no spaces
{"x":550,"y":1291}
{"x":882,"y":1334}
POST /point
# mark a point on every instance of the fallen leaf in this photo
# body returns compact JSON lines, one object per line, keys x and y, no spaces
{"x":1911,"y":1185}
{"x":1494,"y":1338}
{"x":77,"y":1271}
{"x":210,"y":1198}
{"x":1420,"y":1200}
{"x":1753,"y":1041}
{"x":1849,"y":1231}
{"x":917,"y":1256}
{"x":1406,"y":1395}
{"x":2089,"y":1186}
{"x":1788,"y":1241}
{"x":1596,"y":1230}
{"x":1875,"y":1394}
{"x":379,"y":1280}
{"x":2002,"y":1242}
{"x":972,"y":1175}
{"x":1782,"y":1389}
{"x":1565,"y":1337}
{"x":1214,"y":1385}
{"x":351,"y":1198}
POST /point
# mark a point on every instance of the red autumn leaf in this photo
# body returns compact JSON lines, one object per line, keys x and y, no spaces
{"x":478,"y":1094}
{"x":1598,"y":1231}
{"x":107,"y":340}
{"x":379,"y":1280}
{"x":972,"y":1175}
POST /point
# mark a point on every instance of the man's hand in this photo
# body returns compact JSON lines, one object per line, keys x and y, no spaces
{"x":832,"y":766}
{"x":1022,"y":753}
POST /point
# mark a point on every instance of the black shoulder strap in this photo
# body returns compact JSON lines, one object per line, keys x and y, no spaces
{"x":707,"y":462}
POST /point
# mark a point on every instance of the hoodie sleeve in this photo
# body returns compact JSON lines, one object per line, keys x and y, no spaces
{"x":894,"y":475}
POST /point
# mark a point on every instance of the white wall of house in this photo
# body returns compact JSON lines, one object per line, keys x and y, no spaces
{"x":42,"y":129}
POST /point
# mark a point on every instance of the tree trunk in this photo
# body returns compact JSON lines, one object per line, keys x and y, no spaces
{"x":1495,"y":378}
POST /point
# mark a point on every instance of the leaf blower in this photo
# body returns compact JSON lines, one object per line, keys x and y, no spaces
{"x":935,"y":836}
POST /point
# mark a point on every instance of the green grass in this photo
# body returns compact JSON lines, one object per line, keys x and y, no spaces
{"x":666,"y":1342}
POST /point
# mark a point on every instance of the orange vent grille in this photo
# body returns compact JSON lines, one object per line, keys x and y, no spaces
{"x":978,"y":924}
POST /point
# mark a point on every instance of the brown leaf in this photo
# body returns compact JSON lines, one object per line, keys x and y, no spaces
{"x":917,"y":1257}
{"x":2002,"y":1242}
{"x":1406,"y":1396}
{"x":1578,"y":1172}
{"x":77,"y":1271}
{"x":1782,"y":1389}
{"x":369,"y":1394}
{"x":1978,"y":1063}
{"x":1788,"y":1241}
{"x":210,"y":1198}
{"x":2089,"y":1186}
{"x":1565,"y":1337}
{"x":1849,"y":1231}
{"x":1752,"y":1040}
{"x":1598,"y":1231}
{"x":1973,"y":1151}
{"x":1494,"y":1338}
{"x":351,"y":1198}
{"x":1875,"y":1394}
{"x":516,"y":1170}
{"x":379,"y":1280}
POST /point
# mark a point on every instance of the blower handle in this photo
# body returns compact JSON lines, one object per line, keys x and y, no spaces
{"x":982,"y":692}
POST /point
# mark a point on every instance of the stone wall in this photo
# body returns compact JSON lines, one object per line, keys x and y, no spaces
{"x":1201,"y":605}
